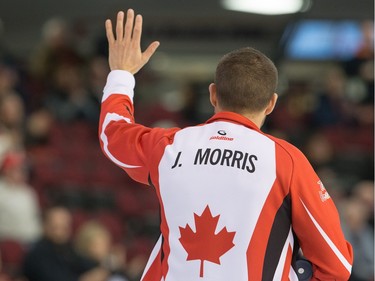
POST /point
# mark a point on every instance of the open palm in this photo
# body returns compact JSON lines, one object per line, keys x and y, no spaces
{"x":125,"y":48}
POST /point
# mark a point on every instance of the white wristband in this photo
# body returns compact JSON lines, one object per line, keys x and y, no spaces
{"x":119,"y":82}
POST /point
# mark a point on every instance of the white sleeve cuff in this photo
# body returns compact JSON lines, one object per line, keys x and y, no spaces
{"x":119,"y":82}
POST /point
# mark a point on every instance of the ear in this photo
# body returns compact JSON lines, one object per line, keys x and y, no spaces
{"x":213,"y":98}
{"x":271,"y":104}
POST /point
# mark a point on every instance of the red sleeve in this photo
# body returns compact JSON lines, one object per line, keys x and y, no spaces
{"x":316,"y":223}
{"x":128,"y":144}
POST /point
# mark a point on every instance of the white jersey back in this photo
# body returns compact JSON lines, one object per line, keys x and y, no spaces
{"x":228,"y":168}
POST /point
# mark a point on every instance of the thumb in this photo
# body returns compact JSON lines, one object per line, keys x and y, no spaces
{"x":151,"y":49}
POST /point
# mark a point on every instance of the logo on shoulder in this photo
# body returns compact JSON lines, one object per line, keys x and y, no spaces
{"x":324,"y":196}
{"x":221,"y":136}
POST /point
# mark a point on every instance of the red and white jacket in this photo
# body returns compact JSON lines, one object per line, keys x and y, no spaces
{"x":236,"y":204}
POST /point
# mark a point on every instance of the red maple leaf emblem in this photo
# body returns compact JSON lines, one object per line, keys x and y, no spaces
{"x":204,"y":244}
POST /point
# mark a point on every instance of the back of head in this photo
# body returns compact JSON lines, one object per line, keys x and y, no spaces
{"x":245,"y":81}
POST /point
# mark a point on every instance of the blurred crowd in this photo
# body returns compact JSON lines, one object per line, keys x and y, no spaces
{"x":67,"y":212}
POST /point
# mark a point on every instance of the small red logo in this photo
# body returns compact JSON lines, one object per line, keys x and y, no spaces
{"x":323,"y":194}
{"x":222,"y":136}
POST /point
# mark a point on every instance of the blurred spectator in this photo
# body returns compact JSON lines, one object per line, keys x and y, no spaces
{"x":55,"y":48}
{"x":360,"y":86}
{"x":292,"y":114}
{"x":69,"y":99}
{"x":364,"y":191}
{"x":332,"y":107}
{"x":365,"y":108}
{"x":93,"y":242}
{"x":193,"y":103}
{"x":19,"y":209}
{"x":12,"y":118}
{"x":8,"y":79}
{"x":97,"y":78}
{"x":38,"y":127}
{"x":53,"y":256}
{"x":12,"y":109}
{"x":6,"y":144}
{"x":139,"y":251}
{"x":136,"y":266}
{"x":319,"y":150}
{"x":361,"y":236}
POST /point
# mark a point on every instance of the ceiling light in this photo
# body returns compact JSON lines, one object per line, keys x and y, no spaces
{"x":267,"y":7}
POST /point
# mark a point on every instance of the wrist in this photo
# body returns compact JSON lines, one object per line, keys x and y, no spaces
{"x":119,"y":82}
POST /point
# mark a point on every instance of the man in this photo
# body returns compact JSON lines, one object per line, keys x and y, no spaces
{"x":19,"y":209}
{"x":53,"y":257}
{"x":236,"y":204}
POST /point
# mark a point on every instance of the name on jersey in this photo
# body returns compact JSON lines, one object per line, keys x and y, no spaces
{"x":226,"y":157}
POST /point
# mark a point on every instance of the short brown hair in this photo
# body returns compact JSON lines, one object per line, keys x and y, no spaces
{"x":245,"y":81}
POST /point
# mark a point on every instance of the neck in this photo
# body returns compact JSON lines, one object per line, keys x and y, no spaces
{"x":257,"y":119}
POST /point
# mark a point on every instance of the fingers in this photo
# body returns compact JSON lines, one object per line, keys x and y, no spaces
{"x":130,"y":34}
{"x":137,"y":32}
{"x":120,"y":26}
{"x":151,"y":49}
{"x":129,"y":25}
{"x":125,"y":51}
{"x":109,"y":32}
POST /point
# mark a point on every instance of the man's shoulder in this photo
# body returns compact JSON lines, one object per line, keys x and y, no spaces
{"x":41,"y":246}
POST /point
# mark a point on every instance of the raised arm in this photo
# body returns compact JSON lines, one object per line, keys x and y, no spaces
{"x":127,"y":144}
